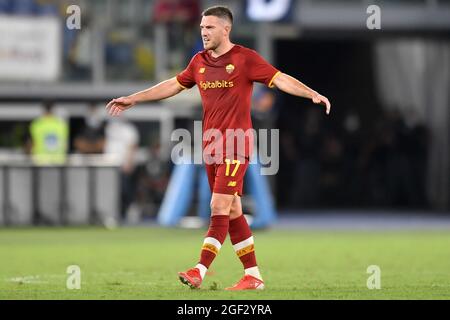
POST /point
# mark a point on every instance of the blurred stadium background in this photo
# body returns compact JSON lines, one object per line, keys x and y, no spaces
{"x":380,"y":161}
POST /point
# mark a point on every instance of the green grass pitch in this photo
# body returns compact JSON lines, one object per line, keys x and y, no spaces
{"x":142,"y":263}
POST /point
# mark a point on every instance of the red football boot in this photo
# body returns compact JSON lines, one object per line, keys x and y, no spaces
{"x":248,"y":282}
{"x":192,"y":278}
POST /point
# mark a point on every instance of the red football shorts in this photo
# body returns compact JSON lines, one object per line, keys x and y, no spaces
{"x":227,"y":177}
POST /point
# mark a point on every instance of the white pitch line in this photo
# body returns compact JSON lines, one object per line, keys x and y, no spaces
{"x":27,"y":279}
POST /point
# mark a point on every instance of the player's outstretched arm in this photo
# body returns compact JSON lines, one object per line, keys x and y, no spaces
{"x":160,"y":91}
{"x":290,"y":85}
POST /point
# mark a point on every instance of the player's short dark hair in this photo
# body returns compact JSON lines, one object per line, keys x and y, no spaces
{"x":220,"y":12}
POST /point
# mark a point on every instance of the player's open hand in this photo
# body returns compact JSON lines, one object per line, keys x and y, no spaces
{"x":116,"y":106}
{"x":320,"y":99}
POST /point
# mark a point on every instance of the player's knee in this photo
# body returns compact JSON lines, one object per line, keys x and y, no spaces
{"x":220,"y":206}
{"x":234,"y":211}
{"x":235,"y":214}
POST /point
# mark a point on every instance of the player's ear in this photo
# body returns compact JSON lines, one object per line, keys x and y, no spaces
{"x":227,"y":29}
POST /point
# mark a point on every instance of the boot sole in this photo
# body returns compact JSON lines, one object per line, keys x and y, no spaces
{"x":187,"y":282}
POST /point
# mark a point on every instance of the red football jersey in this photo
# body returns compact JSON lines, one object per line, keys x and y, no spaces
{"x":226,"y":85}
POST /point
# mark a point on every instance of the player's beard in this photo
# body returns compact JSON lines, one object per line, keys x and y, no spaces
{"x":211,"y":45}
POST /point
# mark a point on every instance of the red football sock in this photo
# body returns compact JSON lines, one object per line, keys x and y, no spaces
{"x":242,"y":240}
{"x":215,"y":237}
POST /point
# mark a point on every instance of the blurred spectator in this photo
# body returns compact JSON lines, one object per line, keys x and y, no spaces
{"x":308,"y":141}
{"x":263,"y":111}
{"x":122,"y":141}
{"x":49,"y":138}
{"x":382,"y":164}
{"x":263,"y":114}
{"x":153,"y":180}
{"x":29,"y":7}
{"x":46,"y":8}
{"x":332,"y":180}
{"x":394,"y":163}
{"x":181,"y":18}
{"x":91,"y":140}
{"x":23,"y":7}
{"x":119,"y":54}
{"x":145,"y":61}
{"x":78,"y":52}
{"x":354,"y":141}
{"x":15,"y":135}
{"x":5,"y":6}
{"x":176,"y":11}
{"x":197,"y":47}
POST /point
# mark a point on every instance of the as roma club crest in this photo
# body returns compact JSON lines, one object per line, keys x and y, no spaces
{"x":229,"y":68}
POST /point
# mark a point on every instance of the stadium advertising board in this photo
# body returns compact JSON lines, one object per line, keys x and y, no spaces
{"x":30,"y":48}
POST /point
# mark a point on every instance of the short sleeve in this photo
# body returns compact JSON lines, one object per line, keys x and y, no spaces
{"x":259,"y":70}
{"x":186,"y":78}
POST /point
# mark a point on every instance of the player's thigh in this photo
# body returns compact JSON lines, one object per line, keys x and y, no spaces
{"x":221,"y":203}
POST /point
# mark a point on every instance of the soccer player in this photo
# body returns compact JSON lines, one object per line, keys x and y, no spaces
{"x":224,"y":73}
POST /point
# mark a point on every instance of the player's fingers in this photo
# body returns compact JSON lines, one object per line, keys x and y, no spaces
{"x":118,"y":111}
{"x":112,"y":108}
{"x":328,"y":106}
{"x":115,"y":107}
{"x":109,"y":105}
{"x":121,"y":100}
